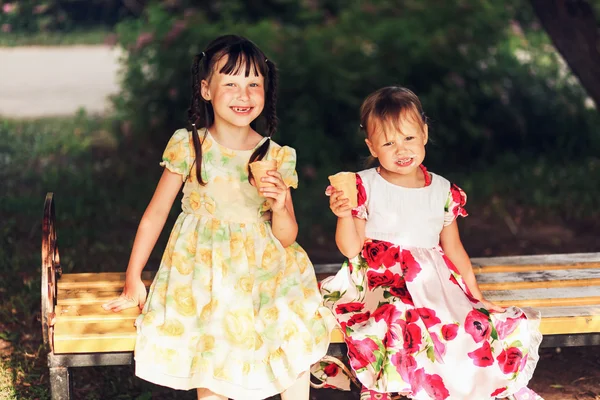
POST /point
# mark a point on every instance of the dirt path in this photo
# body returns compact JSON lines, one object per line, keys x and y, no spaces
{"x":56,"y":81}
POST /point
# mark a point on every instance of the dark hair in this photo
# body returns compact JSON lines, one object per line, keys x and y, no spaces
{"x":389,"y":105}
{"x":241,"y":53}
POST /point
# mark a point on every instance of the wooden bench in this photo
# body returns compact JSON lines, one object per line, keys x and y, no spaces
{"x":79,"y":333}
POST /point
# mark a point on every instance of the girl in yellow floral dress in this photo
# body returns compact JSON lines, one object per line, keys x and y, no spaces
{"x":234,"y":309}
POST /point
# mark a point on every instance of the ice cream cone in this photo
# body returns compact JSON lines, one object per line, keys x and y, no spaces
{"x":346,"y":182}
{"x":260,"y":168}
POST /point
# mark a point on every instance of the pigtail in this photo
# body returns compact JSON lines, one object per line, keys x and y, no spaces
{"x":197,"y":108}
{"x":270,"y":113}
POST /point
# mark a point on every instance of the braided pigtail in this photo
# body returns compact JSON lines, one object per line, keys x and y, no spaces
{"x":196,"y":114}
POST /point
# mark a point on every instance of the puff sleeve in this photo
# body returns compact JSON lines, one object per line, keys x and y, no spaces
{"x":361,"y":209}
{"x":286,"y":165}
{"x":455,"y":204}
{"x":177,"y":156}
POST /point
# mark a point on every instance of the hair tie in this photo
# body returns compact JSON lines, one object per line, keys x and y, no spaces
{"x":194,"y":124}
{"x":203,"y":54}
{"x":361,"y":126}
{"x":266,"y":60}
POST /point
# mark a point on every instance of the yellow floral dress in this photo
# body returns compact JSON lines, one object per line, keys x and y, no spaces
{"x":230,"y":308}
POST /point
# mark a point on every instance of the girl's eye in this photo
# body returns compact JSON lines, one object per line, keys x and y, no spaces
{"x":254,"y":85}
{"x":229,"y":84}
{"x":409,"y":138}
{"x":388,"y":143}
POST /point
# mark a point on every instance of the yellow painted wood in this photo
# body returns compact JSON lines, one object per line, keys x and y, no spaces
{"x":99,"y":280}
{"x":567,"y":325}
{"x":86,"y":296}
{"x":92,"y":312}
{"x":553,"y":302}
{"x":98,"y":344}
{"x":539,"y":284}
{"x":533,"y":267}
{"x":98,"y":338}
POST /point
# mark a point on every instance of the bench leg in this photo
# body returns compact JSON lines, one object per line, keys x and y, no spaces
{"x":60,"y":383}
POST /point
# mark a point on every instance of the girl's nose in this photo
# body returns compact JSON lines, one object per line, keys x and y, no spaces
{"x":243,"y":94}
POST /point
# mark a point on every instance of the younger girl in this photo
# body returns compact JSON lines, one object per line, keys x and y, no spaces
{"x":234,"y":309}
{"x":414,"y":319}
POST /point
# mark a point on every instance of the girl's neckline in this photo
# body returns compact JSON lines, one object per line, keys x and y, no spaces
{"x":234,"y":150}
{"x":428,"y":179}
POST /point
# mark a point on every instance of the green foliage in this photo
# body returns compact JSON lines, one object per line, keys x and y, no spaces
{"x":491,"y":85}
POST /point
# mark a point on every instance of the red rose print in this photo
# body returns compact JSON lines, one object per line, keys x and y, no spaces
{"x":435,"y":388}
{"x":331,"y":370}
{"x":438,"y":347}
{"x":349,"y":307}
{"x":432,"y":384}
{"x":505,"y":328}
{"x":478,"y":326}
{"x":361,"y":352}
{"x":387,"y":312}
{"x":523,"y":362}
{"x":450,"y":265}
{"x":358,"y":318}
{"x":405,"y":365}
{"x":362,"y":194}
{"x":374,"y":252}
{"x":412,"y":338}
{"x":428,"y":316}
{"x":449,"y":331}
{"x":411,"y":316}
{"x":459,"y":198}
{"x":401,"y":291}
{"x":482,"y":357}
{"x":510,"y":360}
{"x":410,"y":266}
{"x":392,"y":257}
{"x":387,"y":279}
{"x":498,"y":391}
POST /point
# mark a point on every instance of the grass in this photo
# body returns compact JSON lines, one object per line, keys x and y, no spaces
{"x":84,"y":37}
{"x":102,"y":183}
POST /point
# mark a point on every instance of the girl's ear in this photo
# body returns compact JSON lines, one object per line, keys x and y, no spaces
{"x":425,"y":134}
{"x":204,"y":90}
{"x":371,"y":148}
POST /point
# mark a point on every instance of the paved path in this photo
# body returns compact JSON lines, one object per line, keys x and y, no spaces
{"x":55,"y":81}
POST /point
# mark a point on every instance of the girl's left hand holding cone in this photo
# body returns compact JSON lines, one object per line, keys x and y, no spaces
{"x":277,"y":194}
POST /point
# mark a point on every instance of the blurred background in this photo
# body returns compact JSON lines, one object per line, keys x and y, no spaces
{"x":91,"y":91}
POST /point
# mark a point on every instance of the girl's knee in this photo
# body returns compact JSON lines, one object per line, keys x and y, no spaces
{"x":205,"y":394}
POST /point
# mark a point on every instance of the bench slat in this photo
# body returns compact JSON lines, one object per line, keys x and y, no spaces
{"x":101,"y":279}
{"x":547,"y":259}
{"x":92,"y":312}
{"x":106,"y":336}
{"x":86,"y":296}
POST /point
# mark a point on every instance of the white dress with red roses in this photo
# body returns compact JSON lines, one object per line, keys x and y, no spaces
{"x":411,"y":324}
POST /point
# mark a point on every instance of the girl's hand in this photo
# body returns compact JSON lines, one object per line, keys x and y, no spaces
{"x":276,"y":194}
{"x":134,"y":294}
{"x":491,"y":306}
{"x":339,"y":204}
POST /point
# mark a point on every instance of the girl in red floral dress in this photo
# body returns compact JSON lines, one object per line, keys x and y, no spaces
{"x":414,"y":319}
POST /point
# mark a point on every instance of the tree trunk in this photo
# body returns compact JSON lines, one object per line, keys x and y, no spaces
{"x":574,"y":31}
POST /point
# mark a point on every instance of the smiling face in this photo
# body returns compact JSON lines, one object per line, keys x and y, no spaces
{"x":237,"y":98}
{"x":398,"y":143}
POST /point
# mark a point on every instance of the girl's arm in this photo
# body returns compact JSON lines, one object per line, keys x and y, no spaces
{"x":283,"y":220}
{"x":350,"y":231}
{"x":149,"y":229}
{"x":350,"y":235}
{"x":283,"y":224}
{"x":455,"y":251}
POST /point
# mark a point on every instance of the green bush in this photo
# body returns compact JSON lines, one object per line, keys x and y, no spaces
{"x":490,"y":86}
